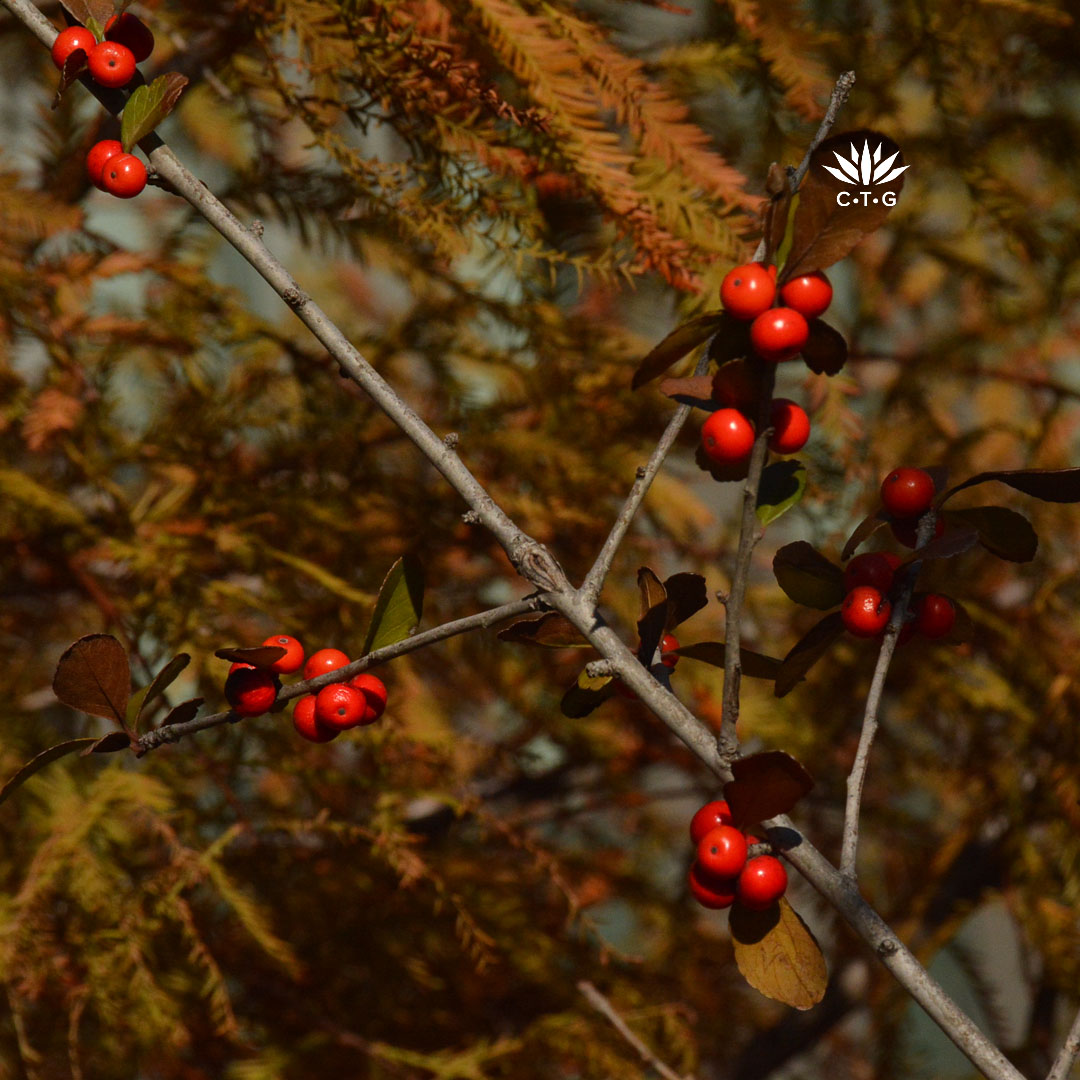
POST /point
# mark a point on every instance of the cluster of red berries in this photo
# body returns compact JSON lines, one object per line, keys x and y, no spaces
{"x":668,"y":657}
{"x":777,"y":333}
{"x":252,"y":690}
{"x":906,"y":494}
{"x":722,"y":872}
{"x":111,"y":62}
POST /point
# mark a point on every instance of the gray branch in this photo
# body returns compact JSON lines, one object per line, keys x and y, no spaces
{"x":1068,"y":1054}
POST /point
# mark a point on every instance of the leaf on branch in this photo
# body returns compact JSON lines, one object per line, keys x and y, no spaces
{"x":93,"y":676}
{"x":807,"y":577}
{"x":109,"y":744}
{"x":73,"y":67}
{"x":856,"y":166}
{"x":46,"y":757}
{"x":863,"y":531}
{"x":85,"y":10}
{"x":551,"y":630}
{"x":652,"y":590}
{"x":694,"y":390}
{"x":954,"y":542}
{"x":753,"y":665}
{"x":257,"y":655}
{"x":399,"y":606}
{"x":731,"y":341}
{"x":142,"y":701}
{"x":586,"y":694}
{"x":676,"y":345}
{"x":806,"y":652}
{"x":778,"y":955}
{"x":1050,"y":485}
{"x":182,"y":713}
{"x":148,"y":106}
{"x":825,"y":351}
{"x":765,"y":785}
{"x":782,"y":486}
{"x":686,"y":595}
{"x":778,"y":188}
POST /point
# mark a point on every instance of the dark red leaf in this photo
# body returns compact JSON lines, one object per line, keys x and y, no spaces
{"x":695,"y":390}
{"x":551,"y":630}
{"x":778,"y":188}
{"x":676,"y":345}
{"x":808,"y":577}
{"x":93,"y":676}
{"x":46,"y":757}
{"x":863,"y":531}
{"x":765,"y":785}
{"x":1050,"y":485}
{"x":1004,"y":532}
{"x":825,"y":351}
{"x":687,"y":595}
{"x":806,"y":652}
{"x":259,"y":656}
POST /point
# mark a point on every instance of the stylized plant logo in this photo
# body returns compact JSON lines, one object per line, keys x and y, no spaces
{"x":865,"y":170}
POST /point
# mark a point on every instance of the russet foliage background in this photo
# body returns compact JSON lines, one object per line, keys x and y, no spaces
{"x":505,"y":205}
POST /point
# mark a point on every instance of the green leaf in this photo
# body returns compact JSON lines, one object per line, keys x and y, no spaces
{"x":586,"y":694}
{"x":1002,"y":531}
{"x":148,"y":106}
{"x":142,"y":700}
{"x":46,"y":757}
{"x":782,"y":486}
{"x":807,"y":577}
{"x":765,"y":785}
{"x":1050,"y":485}
{"x":753,"y":665}
{"x":93,"y":676}
{"x":399,"y":606}
{"x":676,"y":345}
{"x":806,"y":652}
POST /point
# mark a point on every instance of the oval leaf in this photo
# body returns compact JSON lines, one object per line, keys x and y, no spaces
{"x":765,"y":785}
{"x":586,"y":694}
{"x":73,"y":67}
{"x":778,"y":188}
{"x":46,"y":757}
{"x":752,"y":665}
{"x":686,"y":596}
{"x":85,"y":10}
{"x":552,"y":630}
{"x":93,"y":676}
{"x":694,"y":390}
{"x":182,"y":713}
{"x":160,"y":683}
{"x":808,"y":577}
{"x":825,"y":351}
{"x":651,"y":589}
{"x":778,"y":955}
{"x":675,"y":346}
{"x":109,"y":744}
{"x":257,"y":656}
{"x":863,"y":531}
{"x":847,"y":194}
{"x":1002,"y":531}
{"x":148,"y":106}
{"x":782,"y":486}
{"x":806,"y":652}
{"x":955,"y":541}
{"x":399,"y":606}
{"x":1050,"y":485}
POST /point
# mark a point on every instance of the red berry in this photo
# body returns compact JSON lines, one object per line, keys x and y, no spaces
{"x":319,"y":663}
{"x":873,"y":568}
{"x":906,"y":530}
{"x":711,"y":815}
{"x":934,"y":615}
{"x":374,"y":691}
{"x":727,"y":436}
{"x":111,"y":64}
{"x":307,"y":724}
{"x":131,"y":31}
{"x":293,"y":660}
{"x":809,"y":294}
{"x":762,"y":882}
{"x":251,"y":691}
{"x":67,"y":41}
{"x":778,"y":334}
{"x":238,"y":666}
{"x":124,"y":176}
{"x":722,"y":851}
{"x":748,"y":290}
{"x":708,"y":891}
{"x":668,"y":656}
{"x":791,"y":427}
{"x":101,"y":153}
{"x":735,"y":385}
{"x":907,"y":492}
{"x":340,"y":706}
{"x":865,"y":611}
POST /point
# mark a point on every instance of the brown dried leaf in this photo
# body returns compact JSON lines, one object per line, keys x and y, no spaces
{"x":675,"y":346}
{"x":85,"y":10}
{"x":807,"y":577}
{"x":753,"y":665}
{"x":109,"y":744}
{"x":778,"y":188}
{"x":695,"y":390}
{"x":806,"y":652}
{"x":93,"y":676}
{"x":652,"y":590}
{"x":182,"y":713}
{"x":259,"y":656}
{"x":765,"y":785}
{"x":551,"y":630}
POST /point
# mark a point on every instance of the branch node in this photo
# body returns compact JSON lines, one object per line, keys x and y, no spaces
{"x":450,"y":440}
{"x":256,"y":228}
{"x":471,"y":517}
{"x":294,"y":297}
{"x":597,"y":669}
{"x":886,"y":947}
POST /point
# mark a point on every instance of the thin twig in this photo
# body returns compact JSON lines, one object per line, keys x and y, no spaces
{"x":857,"y":777}
{"x":602,"y":1005}
{"x":1068,"y":1054}
{"x":171,"y":733}
{"x":837,"y":99}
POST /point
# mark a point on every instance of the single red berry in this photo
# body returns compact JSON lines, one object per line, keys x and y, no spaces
{"x":111,"y":64}
{"x":934,"y":615}
{"x":747,"y":291}
{"x":778,"y":334}
{"x":319,"y":663}
{"x":907,"y":492}
{"x":293,"y":660}
{"x":67,"y":41}
{"x":709,"y":891}
{"x":762,"y":882}
{"x":865,"y":611}
{"x":721,"y":851}
{"x":710,"y":816}
{"x":873,"y":568}
{"x":131,"y":31}
{"x":251,"y":691}
{"x":124,"y":176}
{"x":791,"y":427}
{"x":307,"y":724}
{"x":727,"y":436}
{"x":809,"y":294}
{"x":906,"y":530}
{"x":100,"y":154}
{"x":239,"y":666}
{"x":340,"y":706}
{"x":374,"y":691}
{"x":735,"y":385}
{"x":668,"y":656}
